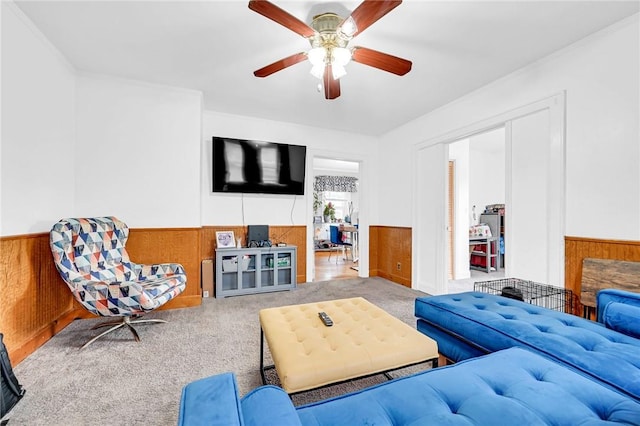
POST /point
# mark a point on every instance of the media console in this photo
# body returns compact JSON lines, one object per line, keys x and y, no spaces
{"x":255,"y":270}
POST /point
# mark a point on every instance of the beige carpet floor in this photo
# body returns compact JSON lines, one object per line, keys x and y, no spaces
{"x":117,"y":381}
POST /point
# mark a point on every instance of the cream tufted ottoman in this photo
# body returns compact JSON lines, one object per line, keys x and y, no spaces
{"x":363,"y":340}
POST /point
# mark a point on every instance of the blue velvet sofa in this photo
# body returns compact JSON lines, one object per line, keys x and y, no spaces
{"x":510,"y":387}
{"x":467,"y":325}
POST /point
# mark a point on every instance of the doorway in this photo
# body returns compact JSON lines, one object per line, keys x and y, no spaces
{"x":534,"y":193}
{"x":336,"y":213}
{"x":476,"y":202}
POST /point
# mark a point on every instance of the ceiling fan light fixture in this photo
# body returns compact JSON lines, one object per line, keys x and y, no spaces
{"x":337,"y":71}
{"x":348,"y":28}
{"x":317,"y":71}
{"x":340,"y":56}
{"x":329,"y":35}
{"x":317,"y":56}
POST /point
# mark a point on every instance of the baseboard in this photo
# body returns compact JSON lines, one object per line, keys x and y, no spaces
{"x":184,"y":301}
{"x":391,"y":277}
{"x":56,"y":326}
{"x":50,"y":330}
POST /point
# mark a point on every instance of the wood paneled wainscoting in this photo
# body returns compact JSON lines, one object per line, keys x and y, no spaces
{"x":577,"y":249}
{"x":171,"y":245}
{"x":390,"y":246}
{"x":35,"y":303}
{"x":291,"y":235}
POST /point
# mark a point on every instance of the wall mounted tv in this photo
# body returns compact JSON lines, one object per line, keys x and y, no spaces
{"x":249,"y":166}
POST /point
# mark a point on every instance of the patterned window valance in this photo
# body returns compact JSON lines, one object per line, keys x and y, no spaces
{"x":336,"y":184}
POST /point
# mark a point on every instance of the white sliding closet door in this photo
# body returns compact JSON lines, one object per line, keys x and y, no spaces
{"x":529,"y":222}
{"x":429,"y":239}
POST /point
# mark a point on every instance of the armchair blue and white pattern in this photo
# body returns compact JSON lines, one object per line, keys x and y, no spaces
{"x":91,"y":258}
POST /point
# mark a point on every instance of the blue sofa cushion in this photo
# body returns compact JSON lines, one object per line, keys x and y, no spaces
{"x":494,"y":323}
{"x":269,"y":406}
{"x":623,"y":318}
{"x":619,"y":310}
{"x":514,"y":387}
{"x":212,"y":401}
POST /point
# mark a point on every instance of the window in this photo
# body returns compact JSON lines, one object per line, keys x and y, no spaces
{"x":340,"y":201}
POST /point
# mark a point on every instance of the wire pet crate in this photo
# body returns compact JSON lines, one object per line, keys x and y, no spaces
{"x":547,"y":296}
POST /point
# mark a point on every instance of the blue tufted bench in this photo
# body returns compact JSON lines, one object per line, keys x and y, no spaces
{"x":510,"y":387}
{"x":469,"y":324}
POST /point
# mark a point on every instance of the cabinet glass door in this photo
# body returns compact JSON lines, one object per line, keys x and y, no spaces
{"x":248,"y":271}
{"x":283,"y":269}
{"x":230,"y":272}
{"x":267,"y":271}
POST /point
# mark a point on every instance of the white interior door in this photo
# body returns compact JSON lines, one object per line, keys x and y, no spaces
{"x":429,"y":239}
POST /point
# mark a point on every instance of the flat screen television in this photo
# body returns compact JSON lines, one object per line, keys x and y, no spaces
{"x":249,"y":166}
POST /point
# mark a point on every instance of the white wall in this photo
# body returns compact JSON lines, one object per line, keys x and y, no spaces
{"x":65,"y":135}
{"x":79,"y":145}
{"x":227,"y":209}
{"x":138,"y":152}
{"x":115,"y":118}
{"x":486,"y":170}
{"x":396,"y":178}
{"x":600,"y":77}
{"x":37,"y":129}
{"x":257,"y":209}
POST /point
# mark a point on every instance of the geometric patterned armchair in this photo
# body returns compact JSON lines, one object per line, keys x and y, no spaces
{"x":90,"y":255}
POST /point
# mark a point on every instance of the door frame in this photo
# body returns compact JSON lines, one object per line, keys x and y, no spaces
{"x":555,"y":104}
{"x":363,"y":215}
{"x":451,"y":217}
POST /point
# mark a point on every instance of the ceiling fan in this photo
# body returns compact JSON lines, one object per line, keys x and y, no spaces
{"x":329,"y":36}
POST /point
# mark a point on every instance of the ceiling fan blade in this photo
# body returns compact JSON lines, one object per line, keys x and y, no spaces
{"x":331,"y":85}
{"x":273,"y":12}
{"x":370,"y":11}
{"x":280,"y":65}
{"x":380,"y":60}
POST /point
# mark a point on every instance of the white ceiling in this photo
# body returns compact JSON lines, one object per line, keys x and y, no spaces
{"x":334,"y":165}
{"x":214,"y":47}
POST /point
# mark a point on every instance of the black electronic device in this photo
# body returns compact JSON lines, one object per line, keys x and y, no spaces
{"x":258,"y":236}
{"x":260,"y":244}
{"x":325,"y":319}
{"x":250,"y":166}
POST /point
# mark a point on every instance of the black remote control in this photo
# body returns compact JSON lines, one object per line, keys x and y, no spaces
{"x":325,"y":319}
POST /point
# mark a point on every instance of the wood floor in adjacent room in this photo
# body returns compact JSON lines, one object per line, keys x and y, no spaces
{"x":328,"y":269}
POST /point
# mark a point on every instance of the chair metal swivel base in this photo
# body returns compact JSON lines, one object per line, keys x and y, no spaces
{"x":115,"y":325}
